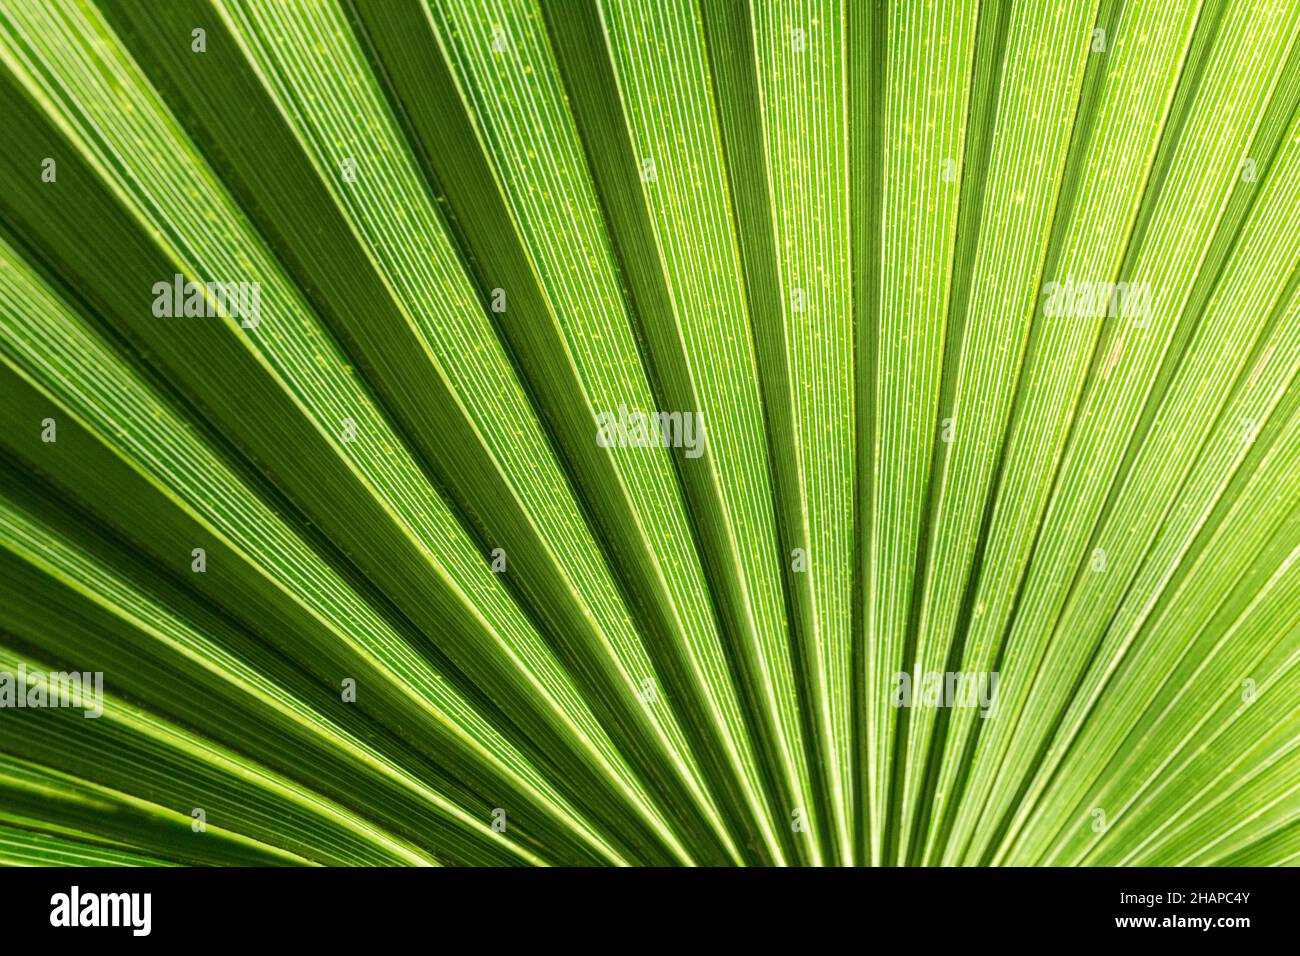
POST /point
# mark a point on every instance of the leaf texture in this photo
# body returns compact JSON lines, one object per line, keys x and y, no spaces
{"x":648,"y":415}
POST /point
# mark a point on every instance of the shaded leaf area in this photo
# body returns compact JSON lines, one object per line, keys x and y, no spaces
{"x":637,"y":433}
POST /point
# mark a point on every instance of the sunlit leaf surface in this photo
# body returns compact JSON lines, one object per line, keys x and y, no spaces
{"x":649,"y":432}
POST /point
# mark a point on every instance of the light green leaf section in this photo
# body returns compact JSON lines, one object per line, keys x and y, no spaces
{"x":518,"y":105}
{"x":930,"y":52}
{"x":664,"y":80}
{"x":1136,"y":94}
{"x":801,"y":47}
{"x":1196,"y":192}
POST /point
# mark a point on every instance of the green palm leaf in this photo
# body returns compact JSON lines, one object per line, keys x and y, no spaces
{"x":370,"y":582}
